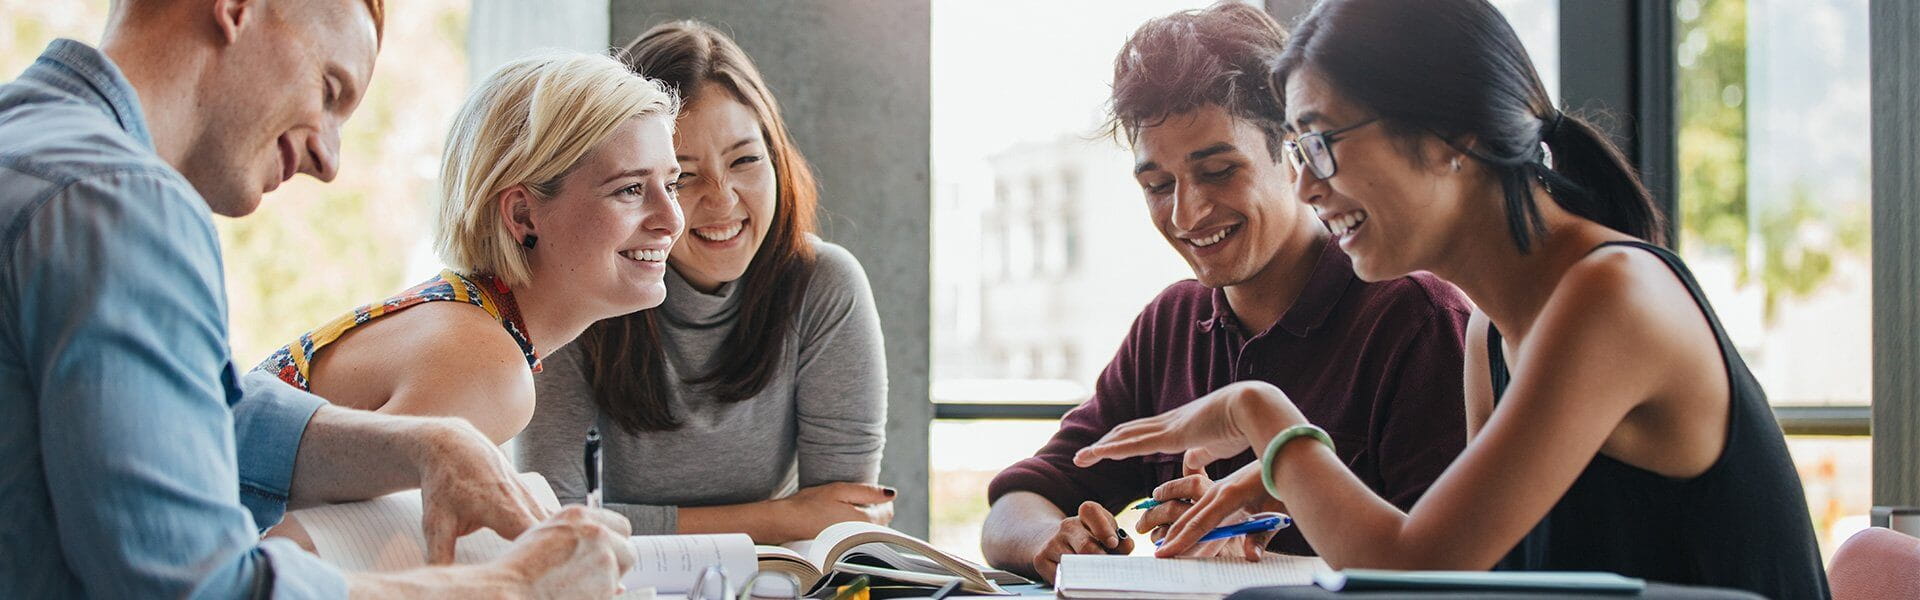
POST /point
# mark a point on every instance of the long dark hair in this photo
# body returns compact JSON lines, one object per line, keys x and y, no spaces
{"x":1455,"y":69}
{"x":624,"y":359}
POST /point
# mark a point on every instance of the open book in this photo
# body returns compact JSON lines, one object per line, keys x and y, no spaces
{"x":857,"y":548}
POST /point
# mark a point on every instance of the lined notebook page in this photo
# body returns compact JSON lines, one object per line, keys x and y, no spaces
{"x":1107,"y":576}
{"x":383,"y":534}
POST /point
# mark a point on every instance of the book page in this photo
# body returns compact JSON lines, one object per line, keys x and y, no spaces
{"x":670,"y":563}
{"x":876,"y":541}
{"x":1185,"y":577}
{"x":383,"y":534}
{"x":897,"y":550}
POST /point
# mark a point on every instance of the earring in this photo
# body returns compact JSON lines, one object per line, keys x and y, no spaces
{"x":1456,"y":168}
{"x":532,"y":239}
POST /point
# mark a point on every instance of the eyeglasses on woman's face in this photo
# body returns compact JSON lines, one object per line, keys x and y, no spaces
{"x":1315,"y":150}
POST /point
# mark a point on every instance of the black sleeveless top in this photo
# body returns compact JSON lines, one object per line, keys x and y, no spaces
{"x":1741,"y":524}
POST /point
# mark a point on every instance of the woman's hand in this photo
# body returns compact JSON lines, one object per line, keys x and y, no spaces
{"x":1178,"y":497}
{"x":813,"y":509}
{"x":1216,"y":503}
{"x":1218,"y":425}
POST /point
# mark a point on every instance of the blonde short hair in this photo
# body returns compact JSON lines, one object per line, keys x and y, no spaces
{"x":528,"y":124}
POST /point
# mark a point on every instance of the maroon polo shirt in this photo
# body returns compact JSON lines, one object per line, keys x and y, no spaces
{"x":1376,"y":364}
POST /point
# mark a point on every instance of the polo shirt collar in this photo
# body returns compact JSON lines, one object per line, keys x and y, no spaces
{"x":1331,"y":275}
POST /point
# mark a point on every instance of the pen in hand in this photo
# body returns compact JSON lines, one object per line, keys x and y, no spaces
{"x":1151,"y":503}
{"x":593,"y":468}
{"x":1260,"y":523}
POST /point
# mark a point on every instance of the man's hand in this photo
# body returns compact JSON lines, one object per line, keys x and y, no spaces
{"x":467,"y":484}
{"x":579,"y":553}
{"x":1093,"y":531}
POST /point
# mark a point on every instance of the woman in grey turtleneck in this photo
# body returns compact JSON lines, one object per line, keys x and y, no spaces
{"x":754,"y":399}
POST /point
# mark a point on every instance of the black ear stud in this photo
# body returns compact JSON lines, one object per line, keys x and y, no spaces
{"x":529,"y":241}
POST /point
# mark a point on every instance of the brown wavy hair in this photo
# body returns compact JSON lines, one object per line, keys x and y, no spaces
{"x":1219,"y":55}
{"x":623,"y":355}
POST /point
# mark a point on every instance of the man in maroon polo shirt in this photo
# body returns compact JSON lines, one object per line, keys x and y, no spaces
{"x":1378,"y":365}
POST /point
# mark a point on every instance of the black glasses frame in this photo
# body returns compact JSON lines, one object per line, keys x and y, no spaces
{"x":1297,"y":154}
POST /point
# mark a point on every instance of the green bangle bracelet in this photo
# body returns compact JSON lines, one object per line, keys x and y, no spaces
{"x":1273,"y":449}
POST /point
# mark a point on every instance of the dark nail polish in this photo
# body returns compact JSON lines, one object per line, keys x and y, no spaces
{"x":1123,"y":533}
{"x":891,"y":492}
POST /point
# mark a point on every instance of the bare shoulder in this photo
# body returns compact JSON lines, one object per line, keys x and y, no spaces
{"x":1622,"y":326}
{"x":1626,"y":287}
{"x":455,"y":359}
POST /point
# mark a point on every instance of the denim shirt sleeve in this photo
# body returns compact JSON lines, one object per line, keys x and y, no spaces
{"x":269,"y":417}
{"x":122,"y":321}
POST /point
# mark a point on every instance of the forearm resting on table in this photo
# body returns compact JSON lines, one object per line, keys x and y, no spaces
{"x":347,"y":455}
{"x":1018,"y":525}
{"x":764,"y":521}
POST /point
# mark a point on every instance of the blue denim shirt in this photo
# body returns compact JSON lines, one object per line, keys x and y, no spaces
{"x":134,"y":462}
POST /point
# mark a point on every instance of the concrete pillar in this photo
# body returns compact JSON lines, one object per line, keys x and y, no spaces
{"x":502,"y":30}
{"x":1895,"y":65}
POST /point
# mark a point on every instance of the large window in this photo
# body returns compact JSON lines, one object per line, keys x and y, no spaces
{"x":1773,"y":195}
{"x":314,"y":251}
{"x":1043,"y":252}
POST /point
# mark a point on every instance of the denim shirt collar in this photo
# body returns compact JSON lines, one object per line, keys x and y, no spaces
{"x":91,"y":77}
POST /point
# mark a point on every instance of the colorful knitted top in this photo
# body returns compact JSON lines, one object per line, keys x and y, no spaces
{"x":294,"y":362}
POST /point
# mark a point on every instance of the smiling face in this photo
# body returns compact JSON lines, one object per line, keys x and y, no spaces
{"x":1217,"y":195}
{"x":604,"y":236}
{"x":282,"y":89}
{"x":728,"y":187}
{"x":1393,"y":214}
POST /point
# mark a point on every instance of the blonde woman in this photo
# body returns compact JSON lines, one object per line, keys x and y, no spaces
{"x":767,"y":355}
{"x":556,"y":209}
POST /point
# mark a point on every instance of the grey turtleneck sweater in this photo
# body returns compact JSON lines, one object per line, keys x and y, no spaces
{"x":821,"y":419}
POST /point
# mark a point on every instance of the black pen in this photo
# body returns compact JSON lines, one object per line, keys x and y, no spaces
{"x":593,"y":467}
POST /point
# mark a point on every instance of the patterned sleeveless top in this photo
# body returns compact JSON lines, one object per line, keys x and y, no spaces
{"x":294,"y":362}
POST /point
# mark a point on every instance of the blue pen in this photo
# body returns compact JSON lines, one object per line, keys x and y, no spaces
{"x":1261,"y":523}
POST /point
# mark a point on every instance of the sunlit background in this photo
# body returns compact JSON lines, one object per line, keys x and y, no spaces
{"x":1042,"y":251}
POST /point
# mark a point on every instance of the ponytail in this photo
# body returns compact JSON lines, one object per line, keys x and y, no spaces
{"x":1590,"y":177}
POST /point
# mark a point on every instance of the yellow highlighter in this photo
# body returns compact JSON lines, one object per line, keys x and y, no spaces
{"x":856,"y":590}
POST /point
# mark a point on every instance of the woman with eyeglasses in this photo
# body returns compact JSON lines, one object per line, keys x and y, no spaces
{"x":1613,"y":426}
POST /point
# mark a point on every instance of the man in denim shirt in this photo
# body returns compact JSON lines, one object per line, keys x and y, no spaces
{"x":134,"y":462}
